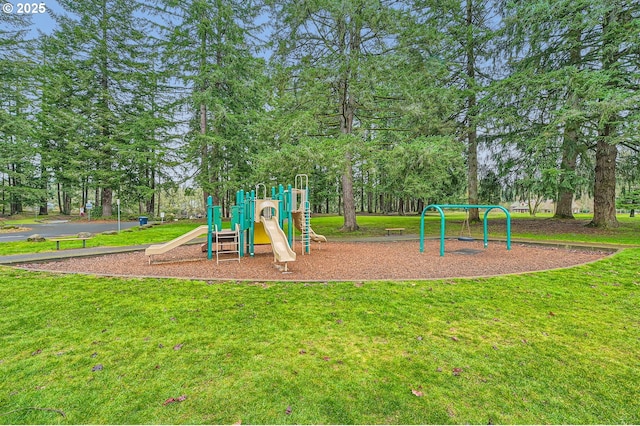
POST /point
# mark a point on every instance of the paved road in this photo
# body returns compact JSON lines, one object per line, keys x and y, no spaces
{"x":63,"y":229}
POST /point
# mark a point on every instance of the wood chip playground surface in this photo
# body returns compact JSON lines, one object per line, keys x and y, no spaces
{"x":337,"y":261}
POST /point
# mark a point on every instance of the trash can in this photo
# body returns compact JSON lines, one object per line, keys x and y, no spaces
{"x":143,"y":220}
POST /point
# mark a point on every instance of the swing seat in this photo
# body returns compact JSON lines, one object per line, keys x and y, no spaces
{"x":466,"y":239}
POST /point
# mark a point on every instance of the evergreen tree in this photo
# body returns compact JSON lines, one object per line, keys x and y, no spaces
{"x":466,"y":36}
{"x":108,"y":43}
{"x":22,"y":182}
{"x":62,"y":121}
{"x":583,"y":68}
{"x":211,"y":48}
{"x":332,"y":54}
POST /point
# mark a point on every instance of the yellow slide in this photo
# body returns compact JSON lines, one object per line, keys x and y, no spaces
{"x":281,"y":250}
{"x":299,"y":222}
{"x":163,"y":248}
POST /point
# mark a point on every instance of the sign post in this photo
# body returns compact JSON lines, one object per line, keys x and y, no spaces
{"x":118,"y":203}
{"x":88,"y":207}
{"x":161,"y":217}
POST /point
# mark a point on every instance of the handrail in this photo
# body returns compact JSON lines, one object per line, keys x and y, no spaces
{"x":264,"y":196}
{"x":440,"y":207}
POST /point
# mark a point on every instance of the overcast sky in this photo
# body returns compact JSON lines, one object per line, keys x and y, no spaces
{"x":40,"y":21}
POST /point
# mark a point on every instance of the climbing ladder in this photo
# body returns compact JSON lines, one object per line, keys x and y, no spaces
{"x":306,"y":220}
{"x":227,"y":242}
{"x":302,"y":188}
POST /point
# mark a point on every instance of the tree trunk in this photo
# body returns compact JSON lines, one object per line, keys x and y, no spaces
{"x":158,"y":203}
{"x":15,"y":201}
{"x":349,"y":46}
{"x":471,"y":130}
{"x":204,"y":149}
{"x":60,"y":207}
{"x":349,"y":213}
{"x":204,"y":152}
{"x":362,"y":195}
{"x":151,"y":202}
{"x":369,"y":194}
{"x":106,"y":132}
{"x":566,"y":190}
{"x":66,"y":203}
{"x":604,"y":190}
{"x":564,"y":206}
{"x":106,"y":202}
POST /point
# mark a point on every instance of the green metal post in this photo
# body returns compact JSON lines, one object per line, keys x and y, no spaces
{"x":217,"y":217}
{"x":209,"y":227}
{"x":236,"y":219}
{"x":281,"y":211}
{"x":442,"y":227}
{"x":486,"y":225}
{"x":241,"y":221}
{"x":288,"y":208}
{"x":252,"y":224}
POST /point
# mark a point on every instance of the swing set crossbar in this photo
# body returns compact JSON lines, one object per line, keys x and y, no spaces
{"x":441,"y":207}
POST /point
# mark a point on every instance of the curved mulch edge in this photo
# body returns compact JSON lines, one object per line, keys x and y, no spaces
{"x":211,"y":280}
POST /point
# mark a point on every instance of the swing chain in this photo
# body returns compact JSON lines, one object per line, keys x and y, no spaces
{"x":465,"y":225}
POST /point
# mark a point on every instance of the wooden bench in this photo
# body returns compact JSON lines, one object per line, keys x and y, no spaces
{"x":390,"y":230}
{"x":83,"y":239}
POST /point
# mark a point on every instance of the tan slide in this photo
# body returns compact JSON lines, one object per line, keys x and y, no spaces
{"x":281,"y":250}
{"x":163,"y":248}
{"x":298,"y":221}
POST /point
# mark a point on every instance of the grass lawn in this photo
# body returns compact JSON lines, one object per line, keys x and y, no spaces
{"x":550,"y":347}
{"x":21,"y":221}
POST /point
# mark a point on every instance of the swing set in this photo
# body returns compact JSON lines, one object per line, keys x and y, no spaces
{"x":465,"y":224}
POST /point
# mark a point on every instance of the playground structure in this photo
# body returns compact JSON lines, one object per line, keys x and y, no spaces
{"x":466,"y":207}
{"x":255,"y":221}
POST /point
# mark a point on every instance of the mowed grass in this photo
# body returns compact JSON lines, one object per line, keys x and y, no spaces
{"x":549,"y":347}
